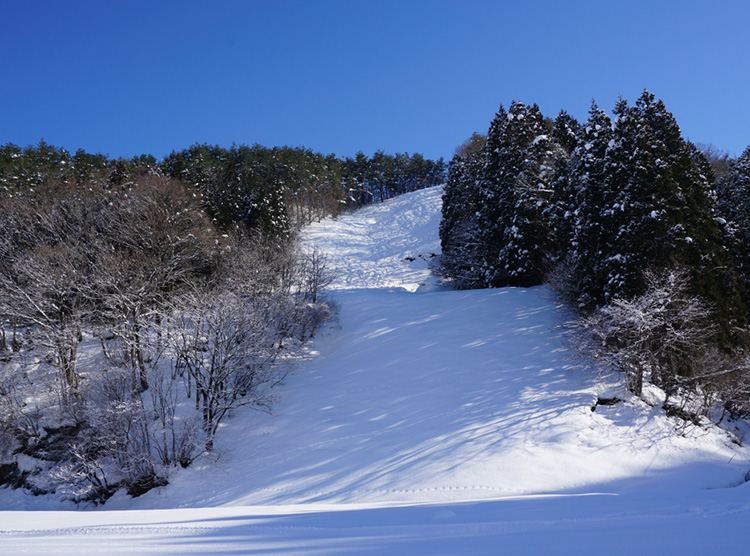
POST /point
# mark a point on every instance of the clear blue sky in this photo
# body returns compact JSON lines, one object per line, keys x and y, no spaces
{"x":131,"y":77}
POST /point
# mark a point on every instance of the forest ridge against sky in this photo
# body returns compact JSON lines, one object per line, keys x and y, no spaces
{"x":125,"y":78}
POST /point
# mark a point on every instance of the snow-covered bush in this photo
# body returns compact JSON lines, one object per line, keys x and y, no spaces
{"x":176,"y":433}
{"x":659,"y":336}
{"x":116,"y":295}
{"x":230,"y":350}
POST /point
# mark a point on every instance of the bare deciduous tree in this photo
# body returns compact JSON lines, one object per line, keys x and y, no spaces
{"x":48,"y":290}
{"x":231,"y":350}
{"x":659,"y":335}
{"x":141,"y":267}
{"x":175,"y":439}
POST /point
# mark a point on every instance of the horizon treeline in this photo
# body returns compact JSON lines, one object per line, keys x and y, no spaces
{"x":274,"y":189}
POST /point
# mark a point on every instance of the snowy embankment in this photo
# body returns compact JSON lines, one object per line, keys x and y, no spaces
{"x":427,"y":422}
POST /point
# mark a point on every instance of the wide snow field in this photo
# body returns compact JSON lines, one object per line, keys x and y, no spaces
{"x":426,"y":421}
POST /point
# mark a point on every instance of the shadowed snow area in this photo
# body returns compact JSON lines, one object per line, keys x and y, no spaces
{"x":428,"y":421}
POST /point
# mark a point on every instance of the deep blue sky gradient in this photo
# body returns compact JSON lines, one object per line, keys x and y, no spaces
{"x":125,"y":78}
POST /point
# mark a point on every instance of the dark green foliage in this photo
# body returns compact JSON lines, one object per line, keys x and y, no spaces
{"x":26,"y":168}
{"x":384,"y":176}
{"x":87,"y":166}
{"x":262,"y":188}
{"x":234,"y":183}
{"x":589,"y":243}
{"x":514,"y":192}
{"x":565,"y":131}
{"x":459,"y":227}
{"x":561,"y":211}
{"x":273,"y":190}
{"x":733,"y":191}
{"x":277,"y":189}
{"x":610,"y":200}
{"x":645,"y":202}
{"x":500,"y":210}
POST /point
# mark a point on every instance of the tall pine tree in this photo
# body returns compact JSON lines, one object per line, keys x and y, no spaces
{"x":586,"y":244}
{"x":561,"y":211}
{"x":733,"y":191}
{"x":655,"y":210}
{"x":459,"y":226}
{"x":513,"y":195}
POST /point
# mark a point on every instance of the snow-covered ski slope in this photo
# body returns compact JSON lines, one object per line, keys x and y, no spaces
{"x":427,"y":421}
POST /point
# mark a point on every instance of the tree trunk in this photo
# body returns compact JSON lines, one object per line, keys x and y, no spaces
{"x":634,"y":379}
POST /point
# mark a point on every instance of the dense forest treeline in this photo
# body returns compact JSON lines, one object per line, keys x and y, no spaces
{"x":143,"y":301}
{"x":630,"y":222}
{"x":275,"y":189}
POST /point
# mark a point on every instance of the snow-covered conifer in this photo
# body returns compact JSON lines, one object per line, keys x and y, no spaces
{"x":561,"y":210}
{"x":733,"y":192}
{"x":459,"y":229}
{"x":514,"y":192}
{"x":645,"y":203}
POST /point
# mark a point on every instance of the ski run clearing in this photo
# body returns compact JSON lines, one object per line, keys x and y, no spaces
{"x":427,"y":421}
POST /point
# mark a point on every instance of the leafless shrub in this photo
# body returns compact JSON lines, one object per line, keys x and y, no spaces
{"x":11,"y":412}
{"x":116,"y":440}
{"x":660,"y":335}
{"x":231,"y":350}
{"x":315,"y":274}
{"x":175,"y":439}
{"x":719,"y":160}
{"x":563,"y":279}
{"x":139,"y":267}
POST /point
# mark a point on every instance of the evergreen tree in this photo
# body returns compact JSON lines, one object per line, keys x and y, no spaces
{"x":733,"y":191}
{"x":561,"y":210}
{"x":655,"y":211}
{"x":588,"y":245}
{"x":86,"y":166}
{"x":514,"y":192}
{"x":459,"y":229}
{"x":566,"y":130}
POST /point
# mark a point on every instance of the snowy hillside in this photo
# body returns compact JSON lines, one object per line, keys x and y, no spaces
{"x":426,"y":421}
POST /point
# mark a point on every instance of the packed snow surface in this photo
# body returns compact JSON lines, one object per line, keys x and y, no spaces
{"x":427,"y":421}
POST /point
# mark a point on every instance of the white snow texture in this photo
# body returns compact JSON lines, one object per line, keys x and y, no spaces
{"x":426,"y":421}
